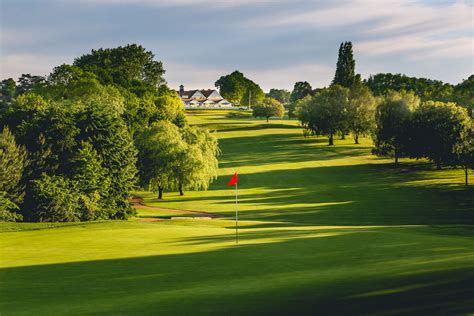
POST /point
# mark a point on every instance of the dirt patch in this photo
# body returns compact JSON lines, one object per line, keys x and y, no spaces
{"x":137,"y":202}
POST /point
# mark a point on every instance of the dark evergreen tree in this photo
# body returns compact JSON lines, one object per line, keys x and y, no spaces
{"x":345,"y":71}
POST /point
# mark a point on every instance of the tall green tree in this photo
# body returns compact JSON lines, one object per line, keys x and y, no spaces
{"x":345,"y":69}
{"x":13,"y":159}
{"x":393,"y":118}
{"x":325,"y":113}
{"x":269,"y":107}
{"x":361,"y":111}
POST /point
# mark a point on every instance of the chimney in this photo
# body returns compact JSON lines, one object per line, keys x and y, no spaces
{"x":181,"y":90}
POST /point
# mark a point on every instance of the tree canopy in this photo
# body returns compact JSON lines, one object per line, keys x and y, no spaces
{"x":235,"y":87}
{"x":269,"y":107}
{"x":393,"y":117}
{"x":281,"y":95}
{"x":325,"y":113}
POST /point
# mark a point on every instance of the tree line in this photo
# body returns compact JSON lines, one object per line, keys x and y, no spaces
{"x":405,"y":117}
{"x":74,"y":144}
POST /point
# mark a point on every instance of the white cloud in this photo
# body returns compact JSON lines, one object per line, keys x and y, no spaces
{"x":450,"y":47}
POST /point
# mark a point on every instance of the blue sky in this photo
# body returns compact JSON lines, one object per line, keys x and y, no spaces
{"x":273,"y":42}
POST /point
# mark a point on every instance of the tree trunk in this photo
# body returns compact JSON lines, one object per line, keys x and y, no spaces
{"x":181,"y":192}
{"x":438,"y":166}
{"x":356,"y":138}
{"x":267,"y":119}
{"x":396,"y":155}
{"x":343,"y":135}
{"x":331,"y":139}
{"x":160,"y":193}
{"x":466,"y":174}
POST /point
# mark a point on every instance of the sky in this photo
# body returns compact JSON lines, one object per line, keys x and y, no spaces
{"x":273,"y":42}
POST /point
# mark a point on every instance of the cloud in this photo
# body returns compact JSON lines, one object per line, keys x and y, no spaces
{"x":425,"y":47}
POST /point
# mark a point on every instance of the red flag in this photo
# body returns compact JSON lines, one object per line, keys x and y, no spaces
{"x":233,"y":180}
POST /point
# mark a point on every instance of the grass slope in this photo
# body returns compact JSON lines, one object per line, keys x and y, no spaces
{"x":325,"y":229}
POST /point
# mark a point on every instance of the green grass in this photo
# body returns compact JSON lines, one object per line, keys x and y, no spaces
{"x":324,"y":229}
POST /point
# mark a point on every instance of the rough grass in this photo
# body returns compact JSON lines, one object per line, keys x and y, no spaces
{"x":324,"y":229}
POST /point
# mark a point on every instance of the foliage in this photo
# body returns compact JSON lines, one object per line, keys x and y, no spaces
{"x":55,"y":199}
{"x":300,"y":90}
{"x":281,"y":95}
{"x":13,"y":159}
{"x":464,"y":149}
{"x":463,"y":94}
{"x":29,"y":83}
{"x":426,"y":89}
{"x":12,"y":162}
{"x":131,"y":67}
{"x":267,"y":108}
{"x":8,"y":209}
{"x":198,"y":162}
{"x":393,"y":119}
{"x":360,"y":111}
{"x":159,"y":147}
{"x":325,"y":113}
{"x":8,"y":89}
{"x":174,"y":159}
{"x":345,"y":69}
{"x":437,"y":128}
{"x":235,"y":87}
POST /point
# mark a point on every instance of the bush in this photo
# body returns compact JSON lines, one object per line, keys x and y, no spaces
{"x":56,"y":199}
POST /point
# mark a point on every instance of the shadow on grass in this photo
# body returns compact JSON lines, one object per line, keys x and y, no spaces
{"x":368,"y":194}
{"x":340,"y":274}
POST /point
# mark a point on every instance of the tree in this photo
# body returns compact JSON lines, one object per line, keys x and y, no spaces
{"x":345,"y":69}
{"x":28,"y":83}
{"x":393,"y":119}
{"x":13,"y":159}
{"x":55,"y":199}
{"x":437,"y":128}
{"x":93,"y":183}
{"x":325,"y":113}
{"x":168,"y":107}
{"x":267,"y":108}
{"x":463,"y":94}
{"x":8,"y":88}
{"x":464,"y":149}
{"x":235,"y":87}
{"x":300,"y":90}
{"x":360,"y":111}
{"x":159,"y":150}
{"x":426,"y":89}
{"x":281,"y":95}
{"x":198,"y":163}
{"x":131,"y":67}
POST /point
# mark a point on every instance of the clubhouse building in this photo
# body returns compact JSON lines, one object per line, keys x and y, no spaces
{"x":203,"y":99}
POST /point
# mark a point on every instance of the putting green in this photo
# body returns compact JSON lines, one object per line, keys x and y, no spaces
{"x":324,"y":229}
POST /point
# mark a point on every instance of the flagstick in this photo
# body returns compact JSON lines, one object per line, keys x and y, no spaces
{"x":236,"y":218}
